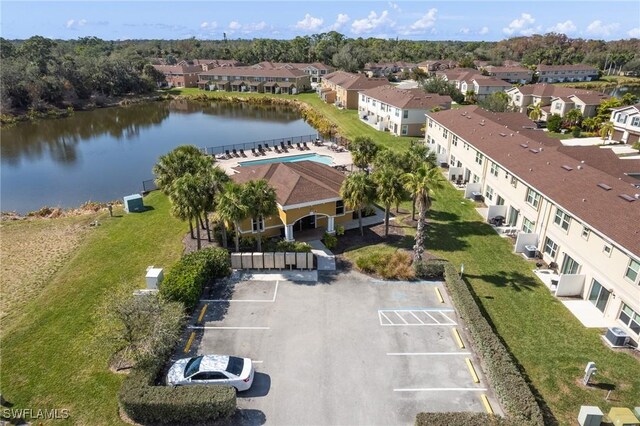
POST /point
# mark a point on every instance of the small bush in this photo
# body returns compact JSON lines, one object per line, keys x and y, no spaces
{"x":185,"y":280}
{"x":248,"y":243}
{"x":396,"y":266}
{"x":330,"y":241}
{"x":575,"y":132}
{"x":429,"y":269}
{"x":636,"y":146}
{"x":466,"y":419}
{"x":284,"y":246}
{"x":339,"y":230}
{"x":554,"y":123}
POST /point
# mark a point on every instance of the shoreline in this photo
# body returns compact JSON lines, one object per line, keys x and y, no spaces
{"x":47,"y":212}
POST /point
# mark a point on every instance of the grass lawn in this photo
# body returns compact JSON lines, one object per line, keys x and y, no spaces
{"x":545,"y":338}
{"x":557,"y":135}
{"x":347,"y":121}
{"x":50,"y":357}
{"x":605,"y":82}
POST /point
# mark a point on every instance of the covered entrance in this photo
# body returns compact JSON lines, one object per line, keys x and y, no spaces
{"x":310,"y":227}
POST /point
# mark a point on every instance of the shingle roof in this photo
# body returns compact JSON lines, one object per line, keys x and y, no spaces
{"x":351,"y":81}
{"x":407,"y":98}
{"x":295,"y":183}
{"x":573,"y":67}
{"x":575,"y":191}
{"x":254,"y":72}
{"x":492,"y":68}
{"x":178,"y":69}
{"x":491,"y":82}
{"x":550,"y":90}
{"x":590,"y":98}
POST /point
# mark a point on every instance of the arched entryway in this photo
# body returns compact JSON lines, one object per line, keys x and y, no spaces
{"x":309,"y":227}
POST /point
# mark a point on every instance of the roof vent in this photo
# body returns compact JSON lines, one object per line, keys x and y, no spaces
{"x":502,"y":134}
{"x":524,"y":145}
{"x":530,"y":170}
{"x":637,"y":196}
{"x":567,"y":168}
{"x":626,"y":197}
{"x":604,"y":186}
{"x":548,"y":163}
{"x":580,"y":167}
{"x":535,"y":151}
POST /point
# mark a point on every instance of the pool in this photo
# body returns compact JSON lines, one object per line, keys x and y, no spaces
{"x":324,"y":159}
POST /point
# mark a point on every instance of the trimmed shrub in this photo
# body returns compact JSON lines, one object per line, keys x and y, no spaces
{"x":429,"y":269}
{"x":330,"y":241}
{"x":466,"y":419}
{"x":146,"y":403}
{"x":185,"y":280}
{"x":396,"y":266}
{"x":248,"y":243}
{"x":510,"y":386}
{"x":575,"y":131}
{"x":284,"y":246}
{"x":554,"y":123}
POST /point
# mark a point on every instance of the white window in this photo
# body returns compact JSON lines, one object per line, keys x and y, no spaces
{"x":454,"y":141}
{"x":622,"y":118}
{"x":476,"y":178}
{"x":562,"y":219}
{"x":445,"y":133}
{"x":339,"y":207}
{"x":362,"y":97}
{"x":479,"y":158}
{"x":405,"y":129}
{"x":398,"y":115}
{"x":373,"y":103}
{"x":453,"y":160}
{"x":405,"y":113}
{"x":633,"y":270}
{"x":527,"y":225}
{"x":586,"y":232}
{"x":630,"y":318}
{"x":517,"y":98}
{"x":607,"y":250}
{"x":255,"y":223}
{"x":495,"y":169}
{"x":466,"y":146}
{"x":558,"y":106}
{"x":550,"y":247}
{"x":489,"y":193}
{"x":635,"y":122}
{"x":430,"y":121}
{"x":514,"y":181}
{"x":533,"y":198}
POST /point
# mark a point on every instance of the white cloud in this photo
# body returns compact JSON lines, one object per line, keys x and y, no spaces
{"x":565,"y":27}
{"x":234,"y":25}
{"x":209,"y":25}
{"x":522,"y":26}
{"x":342,"y":19}
{"x":395,"y":6}
{"x":371,"y":22}
{"x":72,"y":24}
{"x":421,"y":26}
{"x":309,"y":23}
{"x":483,"y":31}
{"x":464,"y":30}
{"x":634,"y":32}
{"x":599,"y":29}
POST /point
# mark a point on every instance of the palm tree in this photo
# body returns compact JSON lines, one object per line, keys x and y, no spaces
{"x":214,"y":179}
{"x":574,"y":117}
{"x":363,"y":151}
{"x":389,"y":189}
{"x":260,"y":198}
{"x":419,"y":184}
{"x":231,"y":208}
{"x":357,"y":192}
{"x":183,"y":159}
{"x":417,"y":156}
{"x":535,"y":111}
{"x":188,"y":200}
{"x":606,"y":130}
{"x":590,"y":123}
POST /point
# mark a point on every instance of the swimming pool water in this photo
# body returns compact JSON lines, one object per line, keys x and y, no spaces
{"x":324,"y":159}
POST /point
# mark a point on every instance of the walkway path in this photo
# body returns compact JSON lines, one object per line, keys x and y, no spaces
{"x":326,"y":259}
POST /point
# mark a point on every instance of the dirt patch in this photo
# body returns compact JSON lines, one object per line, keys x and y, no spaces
{"x":31,"y":251}
{"x":191,"y":244}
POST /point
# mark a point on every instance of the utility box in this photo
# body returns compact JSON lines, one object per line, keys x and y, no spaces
{"x":590,"y":416}
{"x":310,"y":260}
{"x":301,"y":260}
{"x":268,"y":260}
{"x":257,"y":261}
{"x":247,"y":261}
{"x":290,"y":259}
{"x":133,"y":203}
{"x":236,"y":260}
{"x":154,"y":277}
{"x":278,"y":260}
{"x":616,"y":337}
{"x":622,"y":416}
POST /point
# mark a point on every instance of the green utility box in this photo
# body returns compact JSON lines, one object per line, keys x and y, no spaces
{"x":133,"y":203}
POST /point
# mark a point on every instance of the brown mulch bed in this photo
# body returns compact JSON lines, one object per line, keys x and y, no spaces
{"x":374,"y":234}
{"x":191,"y":244}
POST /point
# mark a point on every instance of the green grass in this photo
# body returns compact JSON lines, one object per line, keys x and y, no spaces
{"x":561,"y":136}
{"x":545,"y":338}
{"x":347,"y":121}
{"x":605,"y":82}
{"x":50,"y":358}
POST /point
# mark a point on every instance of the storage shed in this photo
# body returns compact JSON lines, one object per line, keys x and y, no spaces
{"x":133,"y":203}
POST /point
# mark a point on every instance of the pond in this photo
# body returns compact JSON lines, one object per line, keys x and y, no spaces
{"x":104,"y":154}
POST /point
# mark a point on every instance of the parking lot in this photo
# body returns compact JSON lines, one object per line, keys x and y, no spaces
{"x":344,"y":350}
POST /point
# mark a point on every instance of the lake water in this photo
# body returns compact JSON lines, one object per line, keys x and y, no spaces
{"x":105,"y":154}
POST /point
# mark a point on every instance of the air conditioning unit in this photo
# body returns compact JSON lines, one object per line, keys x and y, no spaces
{"x":616,"y":337}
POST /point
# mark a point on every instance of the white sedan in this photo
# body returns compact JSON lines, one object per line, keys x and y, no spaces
{"x":212,"y":370}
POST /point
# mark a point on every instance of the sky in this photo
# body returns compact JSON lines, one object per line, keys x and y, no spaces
{"x":413,"y":20}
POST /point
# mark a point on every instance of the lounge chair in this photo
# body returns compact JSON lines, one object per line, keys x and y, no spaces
{"x":304,"y":145}
{"x":277,"y":150}
{"x":266,"y":147}
{"x":298,"y":147}
{"x":235,"y":153}
{"x":262,"y":151}
{"x":289,"y":144}
{"x":260,"y":147}
{"x":284,"y":148}
{"x":253,"y":151}
{"x":242,"y":154}
{"x":226,"y":152}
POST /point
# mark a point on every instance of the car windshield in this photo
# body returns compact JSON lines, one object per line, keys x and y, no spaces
{"x":192,"y":366}
{"x":235,"y":365}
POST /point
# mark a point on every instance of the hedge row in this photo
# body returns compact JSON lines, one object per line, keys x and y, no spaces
{"x":185,"y":280}
{"x":510,"y":386}
{"x":146,"y":403}
{"x":429,"y":269}
{"x":466,"y":419}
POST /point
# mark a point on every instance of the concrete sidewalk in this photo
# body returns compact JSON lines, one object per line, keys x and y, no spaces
{"x":326,"y":259}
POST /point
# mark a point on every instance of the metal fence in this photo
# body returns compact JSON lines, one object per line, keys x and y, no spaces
{"x":149,"y":185}
{"x":213,"y":150}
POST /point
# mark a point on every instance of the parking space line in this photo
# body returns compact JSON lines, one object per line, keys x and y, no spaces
{"x":441,"y":389}
{"x":257,"y":362}
{"x":208,"y":327}
{"x":400,"y":316}
{"x":445,"y":315}
{"x":426,"y":353}
{"x":414,"y":315}
{"x":189,"y":342}
{"x":204,"y":309}
{"x":431,"y":316}
{"x":380,"y":313}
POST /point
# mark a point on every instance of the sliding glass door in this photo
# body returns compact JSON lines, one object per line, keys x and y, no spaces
{"x":599,"y":296}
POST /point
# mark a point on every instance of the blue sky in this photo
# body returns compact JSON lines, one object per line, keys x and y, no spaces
{"x":423,"y":20}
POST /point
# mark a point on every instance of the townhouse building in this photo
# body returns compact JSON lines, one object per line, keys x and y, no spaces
{"x":626,"y":124}
{"x":384,"y":69}
{"x":562,"y":73}
{"x":575,"y":207}
{"x":482,"y":86}
{"x":315,"y":70}
{"x":587,"y":103}
{"x":431,"y":66}
{"x":544,"y":94}
{"x":250,"y":79}
{"x":399,"y":111}
{"x":512,"y":74}
{"x":341,"y":88}
{"x":179,"y":75}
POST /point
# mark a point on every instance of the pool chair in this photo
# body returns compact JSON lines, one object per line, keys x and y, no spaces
{"x":289,"y":144}
{"x":253,"y":151}
{"x":266,"y":147}
{"x":242,"y":154}
{"x":305,"y":146}
{"x":284,"y":148}
{"x":298,"y":146}
{"x":226,"y":153}
{"x":235,"y":153}
{"x":277,"y":150}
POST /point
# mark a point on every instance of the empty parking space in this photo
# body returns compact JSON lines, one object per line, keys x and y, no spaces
{"x":341,"y":351}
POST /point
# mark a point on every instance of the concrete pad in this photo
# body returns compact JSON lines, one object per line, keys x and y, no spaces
{"x":326,"y":259}
{"x":587,"y":314}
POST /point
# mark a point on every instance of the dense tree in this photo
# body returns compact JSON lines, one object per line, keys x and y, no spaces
{"x":554,"y":123}
{"x":363,"y":151}
{"x":389,"y":190}
{"x":357,"y":192}
{"x":443,"y":87}
{"x":497,"y":102}
{"x":260,"y":199}
{"x":188,"y":200}
{"x":231,"y":208}
{"x":420,"y":183}
{"x":573,"y":117}
{"x":629,"y":99}
{"x":606,"y":130}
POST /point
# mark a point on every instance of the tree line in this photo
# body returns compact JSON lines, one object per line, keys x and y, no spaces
{"x":39,"y":72}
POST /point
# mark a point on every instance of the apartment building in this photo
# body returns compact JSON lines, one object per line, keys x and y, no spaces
{"x":512,"y":74}
{"x":399,"y":111}
{"x":561,"y":73}
{"x":180,"y":75}
{"x":626,"y":124}
{"x":341,"y":88}
{"x":384,"y":69}
{"x":577,"y":206}
{"x":587,"y":103}
{"x":315,"y":70}
{"x":250,"y":79}
{"x":431,"y":66}
{"x":483,"y":86}
{"x":544,"y":94}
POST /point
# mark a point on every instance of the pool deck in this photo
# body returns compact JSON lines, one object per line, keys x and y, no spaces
{"x":339,"y":158}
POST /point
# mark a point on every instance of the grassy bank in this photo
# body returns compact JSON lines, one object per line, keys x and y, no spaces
{"x":550,"y":344}
{"x":346,"y":121}
{"x":50,"y":357}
